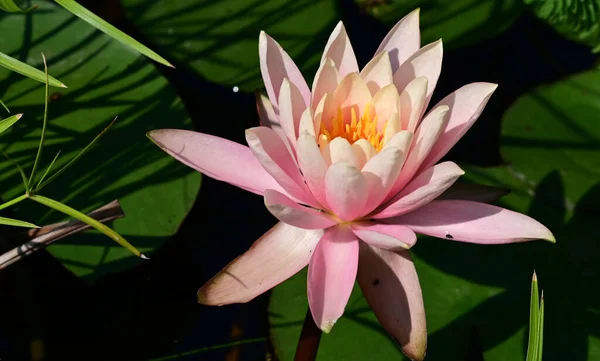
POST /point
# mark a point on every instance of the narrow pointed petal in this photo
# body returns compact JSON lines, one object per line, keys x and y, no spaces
{"x":276,"y":65}
{"x":313,"y":166}
{"x":466,"y":104}
{"x":352,"y":92}
{"x":426,"y":62}
{"x":401,"y":140}
{"x":424,"y":188}
{"x":346,"y":189}
{"x":326,"y":81}
{"x":217,"y":158}
{"x":392,"y":127}
{"x":339,"y":50}
{"x":381,"y":173}
{"x":473,"y":222}
{"x":331,"y":275}
{"x":393,"y":237}
{"x":340,"y":150}
{"x":266,"y":113}
{"x":474,"y":192}
{"x":412,"y":103}
{"x":425,"y":138}
{"x":403,"y":40}
{"x":324,"y":112}
{"x":306,"y":123}
{"x":378,"y":72}
{"x":271,"y":152}
{"x":363,"y":150}
{"x":290,"y":212}
{"x":386,"y":102}
{"x":276,"y":256}
{"x":390,"y":284}
{"x":291,"y":107}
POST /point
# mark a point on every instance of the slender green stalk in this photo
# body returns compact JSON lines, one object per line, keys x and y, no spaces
{"x":13,"y":201}
{"x":47,"y":170}
{"x":4,"y":106}
{"x":534,"y":310}
{"x":63,"y":208}
{"x":43,"y":136}
{"x":23,"y":176}
{"x":541,"y":329}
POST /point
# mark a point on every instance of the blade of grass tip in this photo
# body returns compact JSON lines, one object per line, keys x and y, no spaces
{"x":43,"y":136}
{"x":4,"y":106}
{"x":8,"y":122}
{"x":110,"y":30}
{"x":79,"y":155}
{"x":63,"y":208}
{"x":13,"y":201}
{"x":47,"y":170}
{"x":27,"y":70}
{"x":11,"y":7}
{"x":541,"y":329}
{"x":534,"y":310}
{"x":23,"y":176}
{"x":16,"y":223}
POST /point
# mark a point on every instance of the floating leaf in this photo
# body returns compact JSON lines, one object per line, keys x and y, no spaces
{"x":110,"y":30}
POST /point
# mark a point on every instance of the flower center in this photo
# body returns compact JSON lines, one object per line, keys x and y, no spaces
{"x":354,"y":128}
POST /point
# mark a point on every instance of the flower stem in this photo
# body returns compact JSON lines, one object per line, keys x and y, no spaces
{"x":308,"y":345}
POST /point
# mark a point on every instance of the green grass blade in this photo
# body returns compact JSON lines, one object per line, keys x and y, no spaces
{"x":210,"y":348}
{"x":27,"y":70}
{"x":541,"y":329}
{"x":63,"y":208}
{"x":110,"y":30}
{"x":48,"y":170}
{"x":79,"y":155}
{"x":16,"y":223}
{"x":11,"y":7}
{"x":4,"y":106}
{"x":23,"y":176}
{"x":8,"y":122}
{"x":13,"y":201}
{"x":534,"y":309}
{"x":38,"y":156}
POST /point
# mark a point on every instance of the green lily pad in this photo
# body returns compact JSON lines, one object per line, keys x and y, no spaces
{"x":458,"y":22}
{"x":477,"y":296}
{"x":219,"y":39}
{"x":106,"y":79}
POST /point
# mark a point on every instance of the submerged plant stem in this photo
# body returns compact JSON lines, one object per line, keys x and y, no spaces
{"x":310,"y":337}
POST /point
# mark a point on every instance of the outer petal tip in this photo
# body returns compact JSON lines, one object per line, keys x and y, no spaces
{"x":415,"y":352}
{"x":327,"y":326}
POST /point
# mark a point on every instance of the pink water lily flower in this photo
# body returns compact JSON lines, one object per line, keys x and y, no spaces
{"x":350,"y":170}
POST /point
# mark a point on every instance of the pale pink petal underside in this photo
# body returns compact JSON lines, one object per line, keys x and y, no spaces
{"x":390,"y":284}
{"x":331,"y":275}
{"x":339,"y":50}
{"x":393,"y":237}
{"x":326,"y":81}
{"x":381,"y":173}
{"x":378,"y":72}
{"x":403,"y":40}
{"x":473,"y":222}
{"x":352,"y":93}
{"x":276,"y":256}
{"x":426,"y":62}
{"x":412,"y":103}
{"x":347,"y":190}
{"x":313,"y":166}
{"x":216,"y":157}
{"x":466,"y":104}
{"x":291,"y":107}
{"x":276,"y":65}
{"x":290,"y":212}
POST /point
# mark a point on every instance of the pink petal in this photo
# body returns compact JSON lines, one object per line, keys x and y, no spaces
{"x":426,"y":62}
{"x":291,"y":107}
{"x":331,"y":275}
{"x":266,"y":113}
{"x":466,"y":104}
{"x":326,"y":81}
{"x":339,"y":50}
{"x":385,"y":102}
{"x":290,"y":212}
{"x":403,"y":40}
{"x":313,"y":166}
{"x":306,"y":123}
{"x":401,"y":140}
{"x":276,"y":256}
{"x":412,"y":103}
{"x":425,"y":138}
{"x":393,"y":237}
{"x":424,"y":188}
{"x":352,"y":92}
{"x":381,"y":173}
{"x":271,"y":152}
{"x":216,"y":157}
{"x":347,"y":191}
{"x":276,"y":65}
{"x":473,"y":222}
{"x":390,"y":284}
{"x":378,"y":72}
{"x":340,"y":150}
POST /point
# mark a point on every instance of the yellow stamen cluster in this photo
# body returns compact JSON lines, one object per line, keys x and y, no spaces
{"x":356,"y":128}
